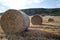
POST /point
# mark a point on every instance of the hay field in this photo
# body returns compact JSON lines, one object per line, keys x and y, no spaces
{"x":51,"y":27}
{"x":46,"y":31}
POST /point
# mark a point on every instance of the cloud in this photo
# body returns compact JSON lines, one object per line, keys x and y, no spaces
{"x":44,"y":7}
{"x":17,"y":4}
{"x":3,"y":7}
{"x":37,"y":1}
{"x":34,"y":1}
{"x":58,"y":3}
{"x":14,"y":4}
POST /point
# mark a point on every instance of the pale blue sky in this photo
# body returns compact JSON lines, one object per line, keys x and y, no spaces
{"x":23,"y":4}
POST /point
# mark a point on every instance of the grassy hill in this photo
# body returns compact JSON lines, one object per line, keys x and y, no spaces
{"x":42,"y":11}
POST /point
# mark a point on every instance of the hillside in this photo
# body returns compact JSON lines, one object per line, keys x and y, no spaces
{"x":42,"y":11}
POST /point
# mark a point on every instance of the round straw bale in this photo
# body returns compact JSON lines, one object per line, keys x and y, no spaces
{"x":14,"y":21}
{"x":50,"y":20}
{"x":36,"y":20}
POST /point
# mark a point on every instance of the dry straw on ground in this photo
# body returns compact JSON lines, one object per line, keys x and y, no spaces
{"x":14,"y":21}
{"x":34,"y":35}
{"x":36,"y":20}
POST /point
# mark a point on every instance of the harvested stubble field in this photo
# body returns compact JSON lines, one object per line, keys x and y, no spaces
{"x":46,"y":31}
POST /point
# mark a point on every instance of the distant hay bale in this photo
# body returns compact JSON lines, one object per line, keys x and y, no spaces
{"x":36,"y":20}
{"x":50,"y":20}
{"x":14,"y":21}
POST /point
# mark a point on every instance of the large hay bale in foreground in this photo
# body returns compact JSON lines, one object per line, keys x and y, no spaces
{"x":36,"y":20}
{"x":14,"y":21}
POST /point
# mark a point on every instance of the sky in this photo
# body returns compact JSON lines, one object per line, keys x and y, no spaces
{"x":24,"y":4}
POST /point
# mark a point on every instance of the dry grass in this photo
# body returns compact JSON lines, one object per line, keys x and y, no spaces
{"x":33,"y":34}
{"x":46,"y":31}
